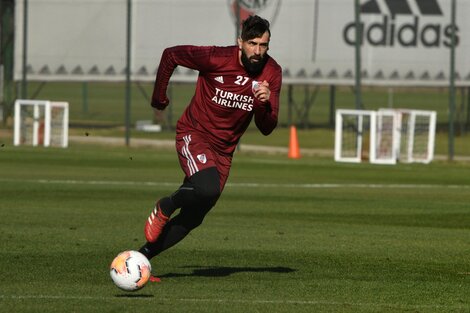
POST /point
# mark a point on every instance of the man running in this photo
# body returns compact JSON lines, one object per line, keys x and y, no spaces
{"x":235,"y":84}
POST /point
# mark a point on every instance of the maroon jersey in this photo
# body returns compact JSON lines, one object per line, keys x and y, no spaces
{"x":224,"y":103}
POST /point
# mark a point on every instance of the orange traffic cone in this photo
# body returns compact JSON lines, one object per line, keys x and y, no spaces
{"x":294,"y":151}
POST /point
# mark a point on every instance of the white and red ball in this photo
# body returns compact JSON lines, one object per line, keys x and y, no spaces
{"x":130,"y":270}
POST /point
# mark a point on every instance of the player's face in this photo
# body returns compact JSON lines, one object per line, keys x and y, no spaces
{"x":253,"y":53}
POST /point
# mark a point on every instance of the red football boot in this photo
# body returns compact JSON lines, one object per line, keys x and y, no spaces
{"x":155,"y":223}
{"x":154,"y":279}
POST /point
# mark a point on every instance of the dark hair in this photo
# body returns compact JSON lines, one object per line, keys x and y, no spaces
{"x":254,"y":27}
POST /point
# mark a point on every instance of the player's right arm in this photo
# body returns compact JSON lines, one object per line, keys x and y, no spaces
{"x":267,"y":103}
{"x":194,"y":57}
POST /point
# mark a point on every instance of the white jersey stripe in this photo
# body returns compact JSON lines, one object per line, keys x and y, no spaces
{"x":187,"y":154}
{"x":191,"y":168}
{"x":188,"y":162}
{"x":191,"y":162}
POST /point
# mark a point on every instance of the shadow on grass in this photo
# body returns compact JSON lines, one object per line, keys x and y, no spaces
{"x":223,"y":271}
{"x":133,"y":295}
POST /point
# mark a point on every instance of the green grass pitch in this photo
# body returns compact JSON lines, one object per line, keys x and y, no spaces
{"x":307,"y":235}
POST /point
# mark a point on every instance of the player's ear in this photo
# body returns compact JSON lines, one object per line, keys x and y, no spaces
{"x":239,"y":43}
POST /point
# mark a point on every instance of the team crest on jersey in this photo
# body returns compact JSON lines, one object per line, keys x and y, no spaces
{"x":254,"y":85}
{"x":202,"y":158}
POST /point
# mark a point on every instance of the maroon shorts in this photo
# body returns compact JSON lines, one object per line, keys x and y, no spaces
{"x":196,"y":154}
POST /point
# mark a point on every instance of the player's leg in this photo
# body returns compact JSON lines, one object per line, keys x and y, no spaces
{"x":206,"y":174}
{"x":176,"y":230}
{"x":197,"y":196}
{"x":194,"y":155}
{"x":198,"y":190}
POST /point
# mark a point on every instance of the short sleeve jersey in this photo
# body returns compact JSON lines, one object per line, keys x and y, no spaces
{"x":224,"y":103}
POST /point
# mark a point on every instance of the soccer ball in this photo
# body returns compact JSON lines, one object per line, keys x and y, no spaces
{"x":130,"y":270}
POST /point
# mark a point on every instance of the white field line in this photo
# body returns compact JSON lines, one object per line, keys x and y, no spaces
{"x":147,"y":297}
{"x":241,"y":185}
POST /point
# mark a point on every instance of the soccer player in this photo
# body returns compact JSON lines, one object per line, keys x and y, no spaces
{"x":235,"y":84}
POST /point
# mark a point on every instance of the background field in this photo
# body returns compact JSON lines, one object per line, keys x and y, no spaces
{"x":104,"y":103}
{"x":98,"y":109}
{"x":306,"y":235}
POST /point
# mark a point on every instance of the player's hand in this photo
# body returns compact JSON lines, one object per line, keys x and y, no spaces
{"x":160,"y":105}
{"x":262,"y":93}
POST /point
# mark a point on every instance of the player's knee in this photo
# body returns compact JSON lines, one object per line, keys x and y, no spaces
{"x":209,"y":193}
{"x":207,"y":185}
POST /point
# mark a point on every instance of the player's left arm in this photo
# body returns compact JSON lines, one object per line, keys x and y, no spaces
{"x":194,"y":57}
{"x":267,"y":104}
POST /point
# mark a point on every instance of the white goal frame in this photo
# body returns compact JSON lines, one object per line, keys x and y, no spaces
{"x":413,"y":132}
{"x":41,"y":123}
{"x":394,"y":135}
{"x":365,"y":122}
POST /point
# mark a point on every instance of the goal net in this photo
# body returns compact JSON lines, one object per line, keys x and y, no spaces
{"x":385,"y":136}
{"x":41,"y":122}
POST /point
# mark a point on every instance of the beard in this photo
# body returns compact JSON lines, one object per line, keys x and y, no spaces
{"x":253,"y":68}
